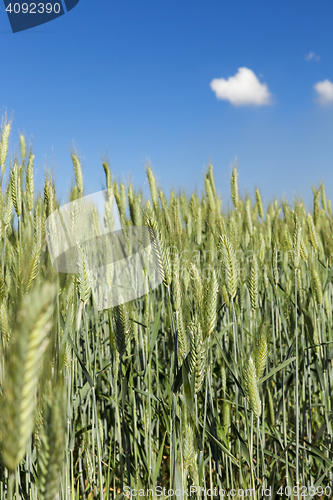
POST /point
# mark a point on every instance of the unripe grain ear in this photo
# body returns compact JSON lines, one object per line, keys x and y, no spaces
{"x":27,"y":346}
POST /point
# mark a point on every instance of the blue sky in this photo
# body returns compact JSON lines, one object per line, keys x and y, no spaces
{"x":179,"y":83}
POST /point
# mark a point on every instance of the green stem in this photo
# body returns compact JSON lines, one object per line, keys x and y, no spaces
{"x":296,"y":391}
{"x":11,"y":481}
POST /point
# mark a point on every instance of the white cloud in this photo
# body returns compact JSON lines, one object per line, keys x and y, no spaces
{"x":312,"y":56}
{"x":242,"y":89}
{"x":324,"y":90}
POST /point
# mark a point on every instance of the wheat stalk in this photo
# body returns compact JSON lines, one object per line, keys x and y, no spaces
{"x":271,"y":407}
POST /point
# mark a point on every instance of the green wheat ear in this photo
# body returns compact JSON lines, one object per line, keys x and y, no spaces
{"x":152,"y":185}
{"x":175,"y":285}
{"x":234,"y":187}
{"x":160,"y":250}
{"x":198,"y":354}
{"x":77,"y":172}
{"x":16,"y":189}
{"x":84,"y":279}
{"x":251,"y":388}
{"x":312,"y":233}
{"x":23,"y":148}
{"x":4,"y":146}
{"x":260,"y":350}
{"x":52,"y":443}
{"x":212,"y":289}
{"x":30,"y":182}
{"x":27,"y":346}
{"x":230,"y":265}
{"x":248,"y":214}
{"x":190,"y":451}
{"x":259,"y":205}
{"x":107,"y":175}
{"x":121,"y":321}
{"x":166,"y":213}
{"x":317,"y":288}
{"x":254,"y":284}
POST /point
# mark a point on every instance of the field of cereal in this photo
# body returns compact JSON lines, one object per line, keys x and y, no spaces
{"x":219,"y":378}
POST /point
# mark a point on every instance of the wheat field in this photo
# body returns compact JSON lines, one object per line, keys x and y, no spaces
{"x":219,"y":379}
